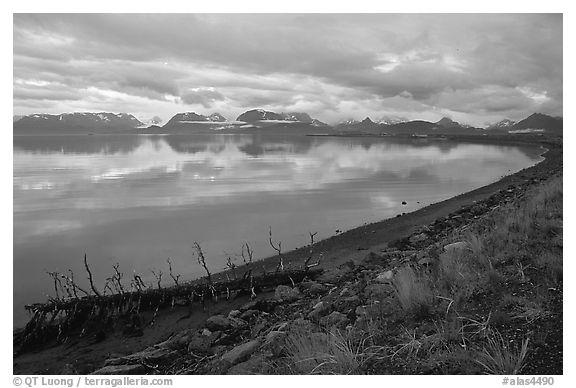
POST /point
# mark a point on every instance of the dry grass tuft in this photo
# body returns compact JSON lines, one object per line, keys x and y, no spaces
{"x":500,"y":357}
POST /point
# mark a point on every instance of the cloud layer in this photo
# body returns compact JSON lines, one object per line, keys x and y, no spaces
{"x":475,"y":68}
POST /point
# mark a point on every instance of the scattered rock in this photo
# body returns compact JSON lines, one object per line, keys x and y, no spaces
{"x":335,"y":319}
{"x":275,"y":341}
{"x":238,"y":323}
{"x":234,"y":313}
{"x":384,"y":277}
{"x":248,"y":314}
{"x":317,"y":289}
{"x":218,"y":322}
{"x":287,"y":294}
{"x":252,"y":305}
{"x":177,"y":341}
{"x":135,"y":369}
{"x":319,"y":310}
{"x":206,"y":332}
{"x":241,"y":352}
{"x":199,"y":344}
{"x":348,"y":304}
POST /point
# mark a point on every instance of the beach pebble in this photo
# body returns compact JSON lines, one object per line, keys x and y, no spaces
{"x":241,"y":352}
{"x":287,"y":294}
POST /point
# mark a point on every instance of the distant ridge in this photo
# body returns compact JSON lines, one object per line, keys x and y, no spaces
{"x":259,"y":115}
{"x":78,"y":121}
{"x":540,"y":121}
{"x":502,"y":124}
{"x":194,"y":118}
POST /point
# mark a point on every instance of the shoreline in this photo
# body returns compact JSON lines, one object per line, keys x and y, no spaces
{"x":357,"y":242}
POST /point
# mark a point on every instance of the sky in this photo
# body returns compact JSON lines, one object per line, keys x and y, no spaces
{"x":474,"y":68}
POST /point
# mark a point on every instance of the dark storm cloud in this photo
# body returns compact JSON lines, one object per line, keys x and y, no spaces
{"x":302,"y":60}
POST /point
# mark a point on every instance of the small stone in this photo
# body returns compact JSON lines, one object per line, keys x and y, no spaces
{"x":218,"y":322}
{"x":319,"y":310}
{"x":287,"y":294}
{"x":238,"y":323}
{"x":248,"y":314}
{"x":206,"y":332}
{"x":317,"y":289}
{"x":177,"y":341}
{"x":384,"y":277}
{"x":348,"y":304}
{"x":234,"y":313}
{"x":404,"y":203}
{"x":275,"y":342}
{"x":241,"y":352}
{"x":335,"y":319}
{"x":199,"y":344}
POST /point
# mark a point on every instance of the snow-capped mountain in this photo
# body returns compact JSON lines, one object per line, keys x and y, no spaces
{"x":216,"y":117}
{"x":77,"y":121}
{"x":391,"y":120}
{"x":257,"y":115}
{"x":503,"y":124}
{"x":348,"y":122}
{"x":195,"y":118}
{"x":254,"y":115}
{"x":151,"y":121}
{"x":446,"y":122}
{"x":318,"y":123}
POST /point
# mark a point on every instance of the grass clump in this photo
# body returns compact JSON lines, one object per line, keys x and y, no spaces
{"x":413,"y":292}
{"x":333,"y":352}
{"x":500,"y":357}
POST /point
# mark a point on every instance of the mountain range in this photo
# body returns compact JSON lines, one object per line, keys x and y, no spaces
{"x":260,"y":119}
{"x":77,"y":122}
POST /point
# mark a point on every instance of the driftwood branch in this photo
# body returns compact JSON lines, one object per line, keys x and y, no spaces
{"x":158,"y":276}
{"x":202,"y":261}
{"x":117,"y":278}
{"x":175,"y":278}
{"x":247,"y":257}
{"x":90,"y":276}
{"x":278,"y":249}
{"x":231,"y":266}
{"x":311,"y":253}
{"x":72,"y":283}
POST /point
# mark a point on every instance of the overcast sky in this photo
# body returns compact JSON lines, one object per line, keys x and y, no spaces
{"x":475,"y":69}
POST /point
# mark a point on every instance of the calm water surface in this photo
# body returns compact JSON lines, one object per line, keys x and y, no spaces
{"x":138,"y":200}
